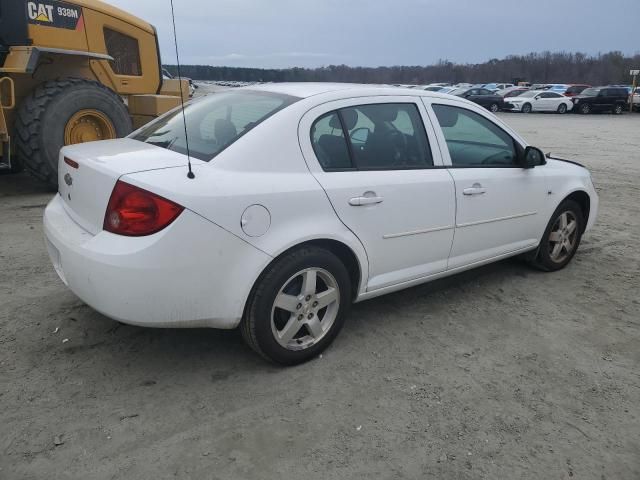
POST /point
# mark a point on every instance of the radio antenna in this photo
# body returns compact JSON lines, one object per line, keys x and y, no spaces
{"x":190,"y":174}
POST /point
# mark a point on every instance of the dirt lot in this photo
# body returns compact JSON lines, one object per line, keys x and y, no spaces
{"x":499,"y":373}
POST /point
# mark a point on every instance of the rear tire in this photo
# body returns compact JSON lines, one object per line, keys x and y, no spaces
{"x":561,"y":238}
{"x":617,"y":110}
{"x":562,"y":108}
{"x":43,"y":117}
{"x":526,"y":108}
{"x":285,"y":321}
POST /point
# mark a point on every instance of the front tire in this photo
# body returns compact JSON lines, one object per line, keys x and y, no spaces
{"x":617,"y":110}
{"x":494,"y":108}
{"x":298,"y":306}
{"x":561,"y":238}
{"x":63,"y":112}
{"x":585,"y":109}
{"x":526,"y":108}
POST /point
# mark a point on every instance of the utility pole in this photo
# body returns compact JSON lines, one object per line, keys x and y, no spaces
{"x":634,"y":74}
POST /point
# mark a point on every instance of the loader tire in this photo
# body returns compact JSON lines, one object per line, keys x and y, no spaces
{"x":46,"y":119}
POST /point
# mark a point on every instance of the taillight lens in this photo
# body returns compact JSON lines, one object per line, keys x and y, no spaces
{"x":135,"y":212}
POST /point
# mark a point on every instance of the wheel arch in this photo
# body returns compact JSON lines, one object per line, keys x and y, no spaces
{"x":357,"y":271}
{"x":583,"y":199}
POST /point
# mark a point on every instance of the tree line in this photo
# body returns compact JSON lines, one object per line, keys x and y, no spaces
{"x":544,"y":67}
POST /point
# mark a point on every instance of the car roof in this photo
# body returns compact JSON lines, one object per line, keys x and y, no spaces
{"x":310,"y":89}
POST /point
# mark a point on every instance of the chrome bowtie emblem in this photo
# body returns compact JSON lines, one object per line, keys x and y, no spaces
{"x":68,"y":179}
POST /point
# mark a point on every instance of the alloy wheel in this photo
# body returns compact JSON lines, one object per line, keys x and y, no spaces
{"x":305,"y":309}
{"x":563,"y":237}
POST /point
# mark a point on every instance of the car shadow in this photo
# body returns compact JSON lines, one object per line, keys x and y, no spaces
{"x":224,"y":354}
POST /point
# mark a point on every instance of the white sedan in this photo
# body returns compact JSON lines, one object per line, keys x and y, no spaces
{"x":303,"y":198}
{"x":539,"y":101}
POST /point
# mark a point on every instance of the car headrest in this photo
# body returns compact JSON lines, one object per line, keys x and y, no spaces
{"x":381,"y":113}
{"x":349,"y":116}
{"x":224,"y":131}
{"x":335,"y":121}
{"x":447,"y":116}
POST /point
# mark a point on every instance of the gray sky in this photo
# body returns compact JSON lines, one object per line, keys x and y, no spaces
{"x":305,"y":33}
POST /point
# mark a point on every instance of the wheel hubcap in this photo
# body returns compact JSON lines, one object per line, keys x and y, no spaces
{"x":563,"y":237}
{"x":88,"y":126}
{"x":305,"y":309}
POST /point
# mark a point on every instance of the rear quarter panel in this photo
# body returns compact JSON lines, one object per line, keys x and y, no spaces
{"x":264,"y":167}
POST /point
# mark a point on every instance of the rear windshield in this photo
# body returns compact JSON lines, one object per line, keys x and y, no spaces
{"x":213,"y":123}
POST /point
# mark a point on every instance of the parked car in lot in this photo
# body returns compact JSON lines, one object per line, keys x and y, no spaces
{"x":574,"y":90}
{"x":634,"y":99}
{"x":512,"y":92}
{"x":494,"y":87}
{"x":601,"y":99}
{"x":304,"y":199}
{"x":556,"y":87}
{"x":538,"y":101}
{"x":481,"y":96}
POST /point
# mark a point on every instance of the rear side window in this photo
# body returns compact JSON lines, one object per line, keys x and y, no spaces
{"x":329,"y":144}
{"x":387,"y":136}
{"x":213,"y":123}
{"x":473,"y":140}
{"x":125,"y":52}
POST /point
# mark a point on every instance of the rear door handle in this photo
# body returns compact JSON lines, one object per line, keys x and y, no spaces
{"x":369,"y":198}
{"x":476,"y":189}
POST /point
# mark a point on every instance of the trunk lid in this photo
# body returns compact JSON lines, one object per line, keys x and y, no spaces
{"x":87,"y":173}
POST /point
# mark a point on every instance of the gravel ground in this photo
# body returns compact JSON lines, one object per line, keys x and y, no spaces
{"x":499,"y":373}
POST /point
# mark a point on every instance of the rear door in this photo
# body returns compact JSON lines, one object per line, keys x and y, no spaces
{"x":498,"y":202}
{"x":374,"y":158}
{"x":549,"y":101}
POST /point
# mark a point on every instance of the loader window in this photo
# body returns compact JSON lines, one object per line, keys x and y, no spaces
{"x":125,"y":52}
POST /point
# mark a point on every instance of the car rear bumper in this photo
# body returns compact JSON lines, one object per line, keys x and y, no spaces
{"x":191,"y":274}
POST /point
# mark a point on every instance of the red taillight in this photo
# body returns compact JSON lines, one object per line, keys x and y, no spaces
{"x":135,"y":212}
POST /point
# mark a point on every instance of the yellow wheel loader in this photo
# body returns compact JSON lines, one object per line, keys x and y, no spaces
{"x":73,"y":72}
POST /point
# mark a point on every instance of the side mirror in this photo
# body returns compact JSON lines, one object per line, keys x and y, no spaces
{"x":533,"y":157}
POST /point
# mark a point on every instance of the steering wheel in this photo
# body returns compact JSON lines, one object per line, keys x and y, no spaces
{"x":495,"y":158}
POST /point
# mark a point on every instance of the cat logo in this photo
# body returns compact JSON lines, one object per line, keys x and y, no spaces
{"x":40,"y":12}
{"x":55,"y":14}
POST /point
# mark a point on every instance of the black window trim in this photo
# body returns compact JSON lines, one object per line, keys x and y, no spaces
{"x":518,"y":148}
{"x":355,"y":167}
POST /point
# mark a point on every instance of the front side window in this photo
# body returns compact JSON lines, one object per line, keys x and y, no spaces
{"x":213,"y":123}
{"x":125,"y":52}
{"x":473,"y":140}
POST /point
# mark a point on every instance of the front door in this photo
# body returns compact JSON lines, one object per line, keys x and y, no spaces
{"x":498,"y":202}
{"x":375,"y":162}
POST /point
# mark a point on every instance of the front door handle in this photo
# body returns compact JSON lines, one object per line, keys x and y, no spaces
{"x":476,"y":189}
{"x":368,"y":198}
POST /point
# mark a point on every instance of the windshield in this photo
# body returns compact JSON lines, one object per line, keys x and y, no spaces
{"x":590,"y":92}
{"x":213,"y":123}
{"x":529,"y":93}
